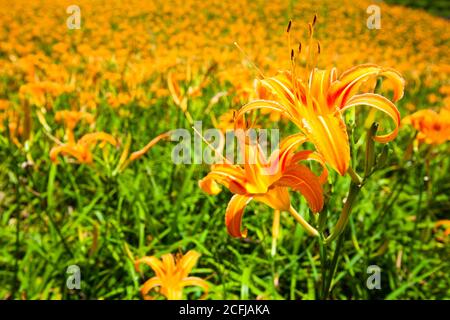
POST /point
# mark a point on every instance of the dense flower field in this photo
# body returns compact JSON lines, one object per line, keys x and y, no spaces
{"x":94,"y":205}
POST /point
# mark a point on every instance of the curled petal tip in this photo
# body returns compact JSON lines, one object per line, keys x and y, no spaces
{"x":209,"y":186}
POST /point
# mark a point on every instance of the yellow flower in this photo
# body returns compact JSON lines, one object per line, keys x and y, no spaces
{"x":81,"y":150}
{"x":70,"y":118}
{"x":316,"y":104}
{"x":432,"y":127}
{"x":267,"y":181}
{"x":432,"y":98}
{"x":116,"y":101}
{"x":444,"y":226}
{"x":227,"y":122}
{"x":124,"y":160}
{"x":171,"y":275}
{"x":38,"y":92}
{"x":262,"y":93}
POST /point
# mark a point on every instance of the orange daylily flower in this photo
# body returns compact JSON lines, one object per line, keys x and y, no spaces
{"x":171,"y":275}
{"x":262,"y":93}
{"x":125,"y":160}
{"x":267,"y":181}
{"x":445,"y":224}
{"x":81,"y":150}
{"x":137,"y":154}
{"x":15,"y":126}
{"x":118,"y":100}
{"x":38,"y":92}
{"x":317,"y":102}
{"x":4,"y":104}
{"x":180,"y":97}
{"x":227,"y":121}
{"x":18,"y":121}
{"x":70,"y":118}
{"x":432,"y":127}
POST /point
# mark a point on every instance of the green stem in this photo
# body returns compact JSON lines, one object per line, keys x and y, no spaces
{"x":333,"y":266}
{"x":345,"y":214}
{"x":355,"y":177}
{"x":419,"y":213}
{"x":15,"y":284}
{"x":323,"y":263}
{"x":370,"y":150}
{"x":51,"y":207}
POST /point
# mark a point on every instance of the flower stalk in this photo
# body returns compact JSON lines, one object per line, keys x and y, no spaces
{"x":309,"y":228}
{"x":356,"y":184}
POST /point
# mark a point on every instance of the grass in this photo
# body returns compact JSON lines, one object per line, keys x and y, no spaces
{"x":58,"y":215}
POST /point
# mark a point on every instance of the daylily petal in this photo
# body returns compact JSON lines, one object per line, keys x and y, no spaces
{"x":320,"y":81}
{"x":153,"y":263}
{"x":234,"y":213}
{"x":71,"y":117}
{"x":55,"y":151}
{"x":230,"y":176}
{"x":209,"y":185}
{"x":445,"y":224}
{"x":281,"y":91}
{"x":97,"y":136}
{"x":301,"y":179}
{"x":261,"y":104}
{"x":277,"y":198}
{"x":260,"y":172}
{"x":329,"y":135}
{"x":348,"y":83}
{"x":172,"y":292}
{"x":197,"y":282}
{"x":79,"y":152}
{"x":286,"y":149}
{"x":137,"y":154}
{"x":174,"y":88}
{"x":188,"y":261}
{"x":311,"y":155}
{"x":149,"y":285}
{"x":291,"y":142}
{"x":381,"y":103}
{"x":168,"y":263}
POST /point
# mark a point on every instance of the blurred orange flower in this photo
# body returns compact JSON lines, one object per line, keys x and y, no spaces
{"x":445,"y":226}
{"x":81,"y":150}
{"x":432,"y":127}
{"x":70,"y":118}
{"x":171,"y":275}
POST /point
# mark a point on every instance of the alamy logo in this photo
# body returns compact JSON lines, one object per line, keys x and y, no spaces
{"x":74,"y":20}
{"x":374,"y":280}
{"x":374,"y":20}
{"x":74,"y":279}
{"x":228,"y":147}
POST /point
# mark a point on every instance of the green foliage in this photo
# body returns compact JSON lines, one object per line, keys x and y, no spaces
{"x":436,"y":7}
{"x":53,"y":216}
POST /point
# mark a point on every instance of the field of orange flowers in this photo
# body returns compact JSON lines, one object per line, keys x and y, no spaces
{"x":94,"y":205}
